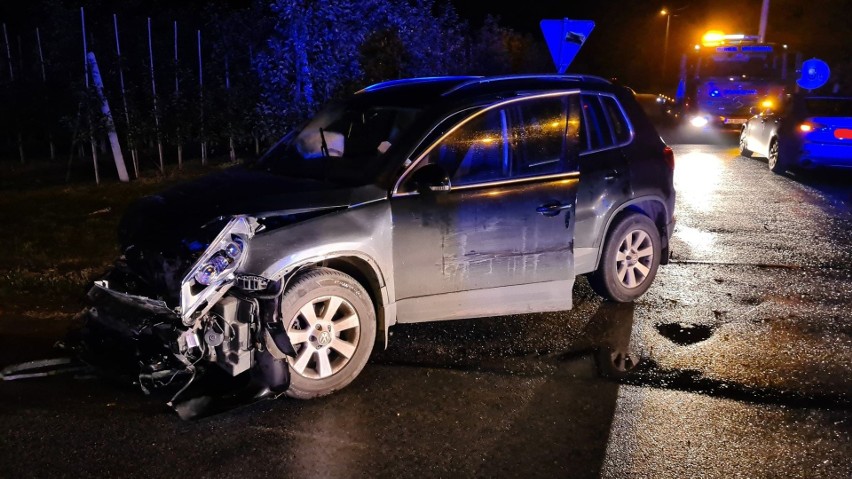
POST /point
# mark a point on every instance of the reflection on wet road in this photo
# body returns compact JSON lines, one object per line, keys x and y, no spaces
{"x":735,"y":364}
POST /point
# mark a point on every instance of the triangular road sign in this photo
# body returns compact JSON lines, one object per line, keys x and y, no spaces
{"x":564,"y":39}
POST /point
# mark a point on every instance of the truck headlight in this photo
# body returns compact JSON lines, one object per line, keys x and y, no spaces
{"x":699,"y":121}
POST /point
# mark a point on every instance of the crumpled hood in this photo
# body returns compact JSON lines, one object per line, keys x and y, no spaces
{"x":179,"y":212}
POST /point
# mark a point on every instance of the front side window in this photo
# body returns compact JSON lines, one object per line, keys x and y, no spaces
{"x":520,"y":139}
{"x":476,"y":152}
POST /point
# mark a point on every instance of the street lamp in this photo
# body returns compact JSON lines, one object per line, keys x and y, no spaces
{"x":668,"y":15}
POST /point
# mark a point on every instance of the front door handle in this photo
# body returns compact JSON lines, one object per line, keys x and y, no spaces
{"x":553,"y":208}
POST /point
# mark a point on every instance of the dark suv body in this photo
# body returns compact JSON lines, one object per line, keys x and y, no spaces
{"x":414,"y":200}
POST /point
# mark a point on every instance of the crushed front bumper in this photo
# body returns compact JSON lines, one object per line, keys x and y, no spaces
{"x":143,"y":341}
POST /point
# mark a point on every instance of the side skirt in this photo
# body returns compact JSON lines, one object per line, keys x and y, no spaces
{"x":520,"y":299}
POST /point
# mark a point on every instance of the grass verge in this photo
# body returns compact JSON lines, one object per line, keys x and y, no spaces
{"x":59,"y":237}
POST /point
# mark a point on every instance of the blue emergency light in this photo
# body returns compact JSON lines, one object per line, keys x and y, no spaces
{"x":756,"y":48}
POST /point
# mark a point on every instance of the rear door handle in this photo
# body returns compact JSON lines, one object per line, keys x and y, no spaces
{"x":612,"y":175}
{"x":553,"y":208}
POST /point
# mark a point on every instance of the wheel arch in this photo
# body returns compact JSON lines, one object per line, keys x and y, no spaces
{"x":651,"y":206}
{"x":365,"y":270}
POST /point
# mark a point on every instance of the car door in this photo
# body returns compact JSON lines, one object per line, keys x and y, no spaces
{"x":604,"y":172}
{"x":497,"y":237}
{"x":766,"y":127}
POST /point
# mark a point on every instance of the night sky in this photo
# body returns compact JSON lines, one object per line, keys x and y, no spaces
{"x":629,"y":35}
{"x":628,"y":39}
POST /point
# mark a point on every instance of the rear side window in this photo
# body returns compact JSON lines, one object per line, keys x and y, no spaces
{"x":829,"y":107}
{"x":597,"y":129}
{"x":620,"y":128}
{"x":604,"y":123}
{"x":545,"y":132}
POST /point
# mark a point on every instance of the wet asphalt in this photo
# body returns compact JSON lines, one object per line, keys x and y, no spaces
{"x":734,"y":364}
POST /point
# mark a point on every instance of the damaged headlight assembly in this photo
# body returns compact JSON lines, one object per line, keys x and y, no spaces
{"x":211,"y":276}
{"x":217,"y":322}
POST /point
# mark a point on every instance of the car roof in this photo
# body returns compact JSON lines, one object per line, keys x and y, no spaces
{"x":827,"y":97}
{"x":429,"y":90}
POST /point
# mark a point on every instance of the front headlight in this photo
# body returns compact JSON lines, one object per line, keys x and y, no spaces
{"x":223,"y":262}
{"x":213,"y":274}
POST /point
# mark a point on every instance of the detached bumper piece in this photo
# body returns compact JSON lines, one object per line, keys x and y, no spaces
{"x":208,"y":368}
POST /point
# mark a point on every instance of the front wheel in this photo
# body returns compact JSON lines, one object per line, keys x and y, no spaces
{"x":744,"y":151}
{"x":629,"y":261}
{"x":331,"y":323}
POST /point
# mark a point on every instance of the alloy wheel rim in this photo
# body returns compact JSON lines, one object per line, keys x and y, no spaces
{"x":772,"y":158}
{"x":634,"y":259}
{"x":325,"y":333}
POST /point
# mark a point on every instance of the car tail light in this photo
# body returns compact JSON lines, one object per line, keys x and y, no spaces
{"x":668,"y":156}
{"x":808,"y":126}
{"x":843,"y":134}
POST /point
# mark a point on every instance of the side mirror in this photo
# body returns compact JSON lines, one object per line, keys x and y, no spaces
{"x":752,"y":111}
{"x":431,"y":177}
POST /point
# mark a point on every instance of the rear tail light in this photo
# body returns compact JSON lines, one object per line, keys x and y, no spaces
{"x":668,"y":156}
{"x":843,"y":134}
{"x":807,"y":127}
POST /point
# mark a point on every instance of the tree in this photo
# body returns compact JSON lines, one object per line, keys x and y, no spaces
{"x":321,"y":50}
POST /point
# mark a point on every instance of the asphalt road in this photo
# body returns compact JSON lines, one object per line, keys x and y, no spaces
{"x":735,"y":364}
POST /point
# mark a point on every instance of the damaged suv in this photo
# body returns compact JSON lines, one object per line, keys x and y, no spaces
{"x":414,"y":200}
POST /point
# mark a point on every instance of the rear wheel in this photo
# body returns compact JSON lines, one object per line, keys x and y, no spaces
{"x":744,"y":152}
{"x":773,"y":159}
{"x":629,"y":261}
{"x":331,"y":323}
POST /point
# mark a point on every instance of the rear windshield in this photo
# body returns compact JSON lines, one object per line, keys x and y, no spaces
{"x":829,"y":106}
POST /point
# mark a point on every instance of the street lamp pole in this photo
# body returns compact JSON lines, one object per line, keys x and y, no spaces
{"x":668,"y":15}
{"x":764,"y":13}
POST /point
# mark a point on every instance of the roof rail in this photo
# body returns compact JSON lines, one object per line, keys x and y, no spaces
{"x":404,"y":81}
{"x":553,"y":76}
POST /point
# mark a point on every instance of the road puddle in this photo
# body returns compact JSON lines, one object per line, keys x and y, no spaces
{"x":685,"y":334}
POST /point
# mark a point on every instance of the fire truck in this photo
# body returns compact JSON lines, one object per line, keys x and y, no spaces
{"x":727,"y":77}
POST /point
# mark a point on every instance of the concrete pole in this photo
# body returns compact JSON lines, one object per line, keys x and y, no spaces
{"x":154,"y":93}
{"x":113,"y":137}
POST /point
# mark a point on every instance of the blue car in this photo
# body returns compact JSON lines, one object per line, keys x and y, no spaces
{"x":806,"y":132}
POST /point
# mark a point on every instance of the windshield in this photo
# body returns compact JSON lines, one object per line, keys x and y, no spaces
{"x":742,"y":67}
{"x":344,"y":143}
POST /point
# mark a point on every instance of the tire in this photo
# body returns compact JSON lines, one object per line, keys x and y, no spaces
{"x":331,"y":323}
{"x":744,"y":152}
{"x":773,"y":158}
{"x":615,"y":363}
{"x":629,"y":261}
